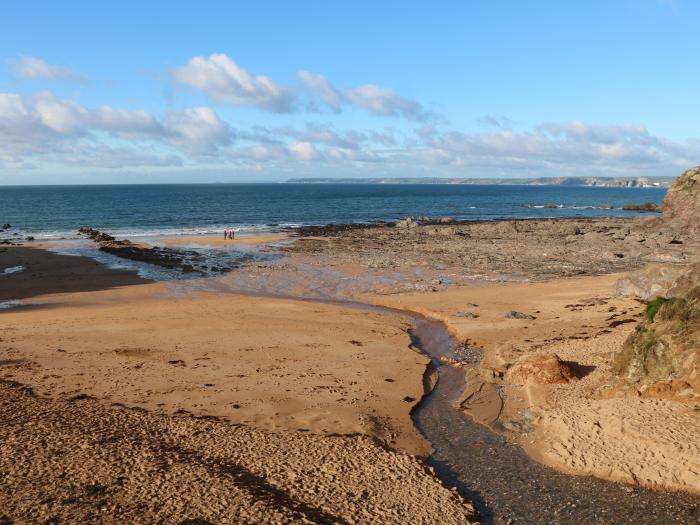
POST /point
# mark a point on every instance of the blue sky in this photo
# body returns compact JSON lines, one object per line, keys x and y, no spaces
{"x":214,"y":91}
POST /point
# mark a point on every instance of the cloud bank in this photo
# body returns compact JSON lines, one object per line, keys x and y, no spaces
{"x":226,"y":82}
{"x":44,"y":130}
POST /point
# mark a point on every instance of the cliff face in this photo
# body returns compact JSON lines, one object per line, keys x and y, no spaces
{"x":681,"y":208}
{"x":661,"y":358}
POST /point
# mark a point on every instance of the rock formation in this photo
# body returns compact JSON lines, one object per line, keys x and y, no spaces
{"x":183,"y":260}
{"x":661,"y":358}
{"x":541,"y":369}
{"x":681,"y":208}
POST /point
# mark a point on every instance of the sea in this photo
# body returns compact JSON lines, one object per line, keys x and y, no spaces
{"x":133,"y":211}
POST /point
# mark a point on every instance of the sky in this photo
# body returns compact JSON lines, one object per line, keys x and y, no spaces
{"x":111,"y":92}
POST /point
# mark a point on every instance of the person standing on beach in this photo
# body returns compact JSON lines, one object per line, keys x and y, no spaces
{"x":225,"y":234}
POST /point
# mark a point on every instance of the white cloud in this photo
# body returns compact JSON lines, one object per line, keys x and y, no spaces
{"x":32,"y":68}
{"x":225,"y":81}
{"x":198,"y":130}
{"x":303,"y":150}
{"x":385,"y":102}
{"x":321,"y":85}
{"x":376,"y":100}
{"x":46,"y":125}
{"x":43,"y":128}
{"x":572,"y":148}
{"x":61,"y":116}
{"x":125,"y":123}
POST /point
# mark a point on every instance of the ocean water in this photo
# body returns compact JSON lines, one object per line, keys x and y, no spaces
{"x":152,"y":210}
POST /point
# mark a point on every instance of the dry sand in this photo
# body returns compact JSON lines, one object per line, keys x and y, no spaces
{"x":650,"y":442}
{"x":272,"y":363}
{"x":78,"y":461}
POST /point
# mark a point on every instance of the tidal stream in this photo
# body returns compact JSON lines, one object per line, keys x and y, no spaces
{"x":507,"y":486}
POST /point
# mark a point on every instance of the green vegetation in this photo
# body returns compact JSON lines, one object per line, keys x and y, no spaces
{"x":653,"y":307}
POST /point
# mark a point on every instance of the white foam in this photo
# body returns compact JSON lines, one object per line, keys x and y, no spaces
{"x":151,"y":232}
{"x":13,"y":269}
{"x":14,"y":303}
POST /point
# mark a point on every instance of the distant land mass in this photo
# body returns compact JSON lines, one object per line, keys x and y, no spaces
{"x":609,"y":182}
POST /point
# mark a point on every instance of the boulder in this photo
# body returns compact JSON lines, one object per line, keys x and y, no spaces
{"x":655,"y":280}
{"x":539,"y":369}
{"x":6,"y":226}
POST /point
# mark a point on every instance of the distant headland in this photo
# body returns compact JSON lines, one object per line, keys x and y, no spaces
{"x":618,"y":182}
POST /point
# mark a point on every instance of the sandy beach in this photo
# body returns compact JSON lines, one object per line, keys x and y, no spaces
{"x":208,"y":240}
{"x":263,"y":354}
{"x":305,"y":371}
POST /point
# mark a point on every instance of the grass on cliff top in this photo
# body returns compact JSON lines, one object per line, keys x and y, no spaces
{"x":653,"y":308}
{"x":682,"y":309}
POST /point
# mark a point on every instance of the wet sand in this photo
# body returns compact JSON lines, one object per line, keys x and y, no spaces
{"x":202,"y":240}
{"x":45,"y":272}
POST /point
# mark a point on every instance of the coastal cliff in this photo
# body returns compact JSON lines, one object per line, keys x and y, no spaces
{"x":661,"y":358}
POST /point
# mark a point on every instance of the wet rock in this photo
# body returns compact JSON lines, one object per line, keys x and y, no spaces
{"x":184,"y":260}
{"x":102,"y":237}
{"x":541,"y":369}
{"x":6,"y":226}
{"x":519,"y":315}
{"x":646,"y":206}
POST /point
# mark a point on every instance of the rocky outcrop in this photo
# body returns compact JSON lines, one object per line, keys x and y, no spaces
{"x":183,"y":260}
{"x":540,"y":369}
{"x":681,"y":207}
{"x":661,"y":358}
